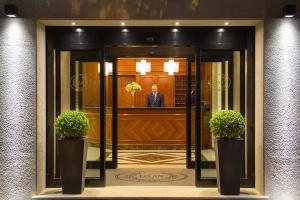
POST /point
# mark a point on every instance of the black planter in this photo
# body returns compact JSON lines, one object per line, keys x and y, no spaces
{"x":72,"y":154}
{"x":229,"y":158}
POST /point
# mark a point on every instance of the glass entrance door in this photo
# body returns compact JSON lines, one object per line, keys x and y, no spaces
{"x":75,"y":81}
{"x":221,"y":84}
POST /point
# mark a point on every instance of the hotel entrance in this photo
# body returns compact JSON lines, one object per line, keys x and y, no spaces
{"x":153,"y":132}
{"x":141,"y":140}
{"x":149,"y":101}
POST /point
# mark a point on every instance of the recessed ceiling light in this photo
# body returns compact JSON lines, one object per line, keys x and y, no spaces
{"x":220,"y":30}
{"x":123,"y":24}
{"x":226,"y":23}
{"x":125,"y":30}
{"x":78,"y":30}
{"x":177,"y":23}
{"x":73,"y":23}
{"x":175,"y":30}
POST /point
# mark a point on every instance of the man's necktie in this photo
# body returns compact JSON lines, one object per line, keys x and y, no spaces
{"x":155,"y":97}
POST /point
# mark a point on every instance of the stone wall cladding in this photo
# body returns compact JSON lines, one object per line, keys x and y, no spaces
{"x":17,"y":109}
{"x":282,"y":108}
{"x":139,"y":9}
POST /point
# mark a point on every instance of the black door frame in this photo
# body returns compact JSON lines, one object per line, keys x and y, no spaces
{"x":189,"y":163}
{"x":113,"y":164}
{"x":198,"y":119}
{"x":234,"y":38}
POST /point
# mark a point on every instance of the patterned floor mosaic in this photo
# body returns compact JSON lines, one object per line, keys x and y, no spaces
{"x":150,"y":177}
{"x":153,"y":157}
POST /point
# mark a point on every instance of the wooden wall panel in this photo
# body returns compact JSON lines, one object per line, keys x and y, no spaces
{"x":91,"y":84}
{"x":93,"y":136}
{"x":124,"y":98}
{"x":127,"y":74}
{"x":165,"y":84}
{"x":206,"y":78}
{"x":146,"y":82}
{"x":206,"y":97}
{"x":109,"y":90}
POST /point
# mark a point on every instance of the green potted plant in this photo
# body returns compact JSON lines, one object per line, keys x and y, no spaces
{"x":228,"y":126}
{"x":71,"y":128}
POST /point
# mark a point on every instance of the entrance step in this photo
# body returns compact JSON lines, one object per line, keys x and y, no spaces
{"x":153,"y":198}
{"x":148,"y":193}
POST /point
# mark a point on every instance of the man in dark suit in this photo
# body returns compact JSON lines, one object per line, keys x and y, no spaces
{"x":155,"y":99}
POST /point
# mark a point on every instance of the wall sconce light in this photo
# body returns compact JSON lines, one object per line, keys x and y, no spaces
{"x":171,"y":67}
{"x":108,"y":68}
{"x":289,"y":11}
{"x":11,"y":10}
{"x":143,"y":67}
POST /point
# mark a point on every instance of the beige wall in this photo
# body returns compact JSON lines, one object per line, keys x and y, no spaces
{"x":216,"y":87}
{"x":259,"y":102}
{"x":65,"y":58}
{"x":236,"y":80}
{"x":41,"y":108}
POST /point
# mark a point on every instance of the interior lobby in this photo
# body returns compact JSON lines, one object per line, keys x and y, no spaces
{"x":149,"y":80}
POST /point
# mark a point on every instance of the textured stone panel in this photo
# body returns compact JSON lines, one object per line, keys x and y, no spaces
{"x":139,"y":9}
{"x":17,"y":109}
{"x":282,"y":109}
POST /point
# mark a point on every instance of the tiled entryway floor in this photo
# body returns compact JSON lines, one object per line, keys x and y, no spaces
{"x":151,"y":156}
{"x":149,"y":193}
{"x":150,"y":174}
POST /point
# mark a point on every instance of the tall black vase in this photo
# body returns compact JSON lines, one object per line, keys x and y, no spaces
{"x":72,"y":154}
{"x":229,"y":158}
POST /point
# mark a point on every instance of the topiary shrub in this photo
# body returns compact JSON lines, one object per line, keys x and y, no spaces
{"x":72,"y":124}
{"x":227,"y":124}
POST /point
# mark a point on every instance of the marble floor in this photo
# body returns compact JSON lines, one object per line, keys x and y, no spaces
{"x":150,"y":162}
{"x":150,"y":156}
{"x":149,"y":192}
{"x":150,"y":174}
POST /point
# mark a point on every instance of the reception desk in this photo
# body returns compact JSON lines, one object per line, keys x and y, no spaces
{"x":151,"y":126}
{"x":142,"y":126}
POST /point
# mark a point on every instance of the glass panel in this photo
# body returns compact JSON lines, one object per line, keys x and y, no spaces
{"x":109,"y":102}
{"x":220,"y":89}
{"x":211,"y":102}
{"x":90,"y":104}
{"x":78,"y":88}
{"x":193,"y":109}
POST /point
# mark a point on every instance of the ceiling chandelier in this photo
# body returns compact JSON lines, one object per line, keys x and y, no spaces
{"x":143,"y":67}
{"x":108,"y":68}
{"x":171,"y":67}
